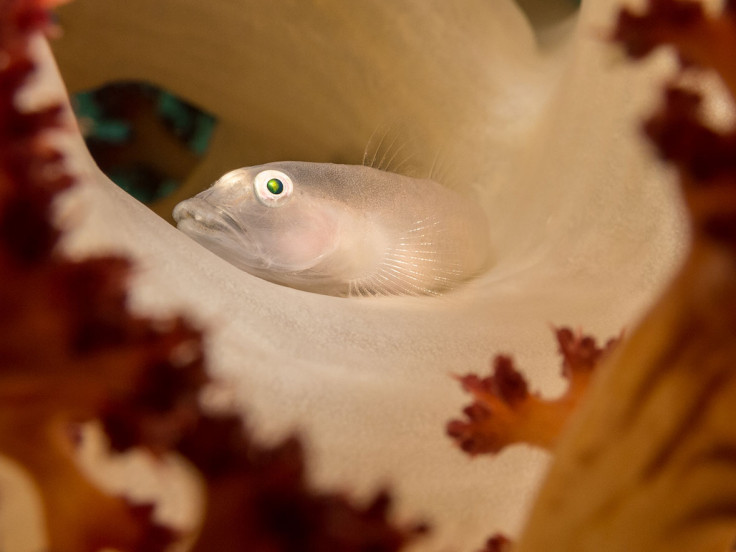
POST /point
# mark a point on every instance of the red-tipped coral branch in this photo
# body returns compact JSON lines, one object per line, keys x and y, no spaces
{"x":505,"y":412}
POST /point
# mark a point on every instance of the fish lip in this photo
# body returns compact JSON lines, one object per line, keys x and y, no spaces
{"x":203,"y":214}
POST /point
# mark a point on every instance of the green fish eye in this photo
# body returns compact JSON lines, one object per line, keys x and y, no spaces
{"x":275,"y":186}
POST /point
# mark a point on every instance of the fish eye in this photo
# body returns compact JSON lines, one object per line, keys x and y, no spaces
{"x":275,"y":186}
{"x":272,"y":187}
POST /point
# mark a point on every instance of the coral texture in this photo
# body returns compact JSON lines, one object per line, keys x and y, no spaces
{"x":71,"y":352}
{"x":544,"y":136}
{"x":160,"y":423}
{"x":649,"y":463}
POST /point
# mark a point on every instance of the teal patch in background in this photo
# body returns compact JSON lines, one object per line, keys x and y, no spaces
{"x":96,"y":124}
{"x":189,"y":123}
{"x":145,"y":139}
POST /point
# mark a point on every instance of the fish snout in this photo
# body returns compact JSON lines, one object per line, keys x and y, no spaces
{"x":195,"y":208}
{"x":201,"y":213}
{"x":183,"y":210}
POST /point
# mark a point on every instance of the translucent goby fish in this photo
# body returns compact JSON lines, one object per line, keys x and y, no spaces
{"x":343,"y":230}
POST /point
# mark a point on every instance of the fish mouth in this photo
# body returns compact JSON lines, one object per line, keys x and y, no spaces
{"x":217,"y":230}
{"x":198,"y":215}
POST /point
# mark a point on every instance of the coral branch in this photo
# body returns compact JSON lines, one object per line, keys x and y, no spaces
{"x":259,"y":500}
{"x":700,"y":40}
{"x":498,"y":543}
{"x":705,"y":158}
{"x":505,"y":412}
{"x":651,"y":462}
{"x":59,"y":362}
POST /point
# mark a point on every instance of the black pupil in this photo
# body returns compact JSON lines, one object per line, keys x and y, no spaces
{"x":275,"y":186}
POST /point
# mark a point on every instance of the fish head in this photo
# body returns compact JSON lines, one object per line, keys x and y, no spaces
{"x":265,"y":219}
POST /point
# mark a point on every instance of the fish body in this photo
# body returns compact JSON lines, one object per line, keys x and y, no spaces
{"x":344,"y":230}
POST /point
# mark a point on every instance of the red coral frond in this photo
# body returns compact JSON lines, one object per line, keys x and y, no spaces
{"x":698,"y":38}
{"x":706,"y":160}
{"x":498,"y":543}
{"x":259,"y":499}
{"x":662,"y":22}
{"x":71,"y":353}
{"x":504,"y":412}
{"x":580,"y":353}
{"x":69,"y":349}
{"x":704,"y":157}
{"x":700,"y":152}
